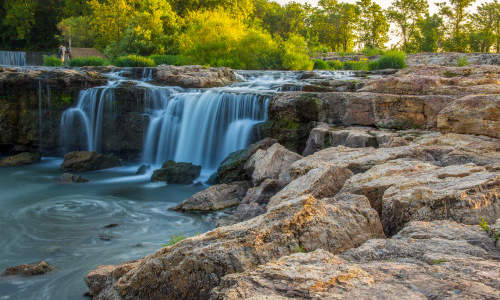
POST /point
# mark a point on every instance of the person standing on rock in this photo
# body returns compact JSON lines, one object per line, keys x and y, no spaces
{"x":62,"y":53}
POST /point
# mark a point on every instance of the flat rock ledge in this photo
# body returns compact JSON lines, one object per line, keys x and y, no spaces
{"x":194,"y":76}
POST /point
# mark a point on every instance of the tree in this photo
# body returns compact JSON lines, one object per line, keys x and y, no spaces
{"x":373,"y":25}
{"x":430,"y":33}
{"x":456,"y":14}
{"x":335,"y":24}
{"x":484,"y":27}
{"x":405,"y":15}
{"x":296,"y":54}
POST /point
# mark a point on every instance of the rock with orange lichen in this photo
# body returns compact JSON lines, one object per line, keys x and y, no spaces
{"x":435,"y":260}
{"x":192,"y":267}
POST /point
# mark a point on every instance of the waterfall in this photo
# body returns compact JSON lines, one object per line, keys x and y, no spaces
{"x":12,"y":58}
{"x":84,"y":122}
{"x":201,"y":127}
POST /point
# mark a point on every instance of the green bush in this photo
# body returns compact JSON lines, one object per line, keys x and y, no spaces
{"x":335,"y":64}
{"x":295,"y":54}
{"x":356,"y":65}
{"x":51,"y":61}
{"x":390,"y":60}
{"x":175,"y":60}
{"x":134,"y":61}
{"x":373,"y":51}
{"x":320,"y":64}
{"x":88,"y":61}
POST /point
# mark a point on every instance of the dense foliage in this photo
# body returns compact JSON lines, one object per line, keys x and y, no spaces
{"x":252,"y":34}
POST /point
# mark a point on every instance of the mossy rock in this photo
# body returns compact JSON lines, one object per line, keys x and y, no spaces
{"x":174,"y":172}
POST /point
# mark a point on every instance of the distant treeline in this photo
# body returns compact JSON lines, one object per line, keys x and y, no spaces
{"x":247,"y":33}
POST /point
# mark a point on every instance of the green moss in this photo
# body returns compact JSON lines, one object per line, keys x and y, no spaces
{"x":66,"y":99}
{"x":437,"y":261}
{"x":299,"y":249}
{"x":450,"y":74}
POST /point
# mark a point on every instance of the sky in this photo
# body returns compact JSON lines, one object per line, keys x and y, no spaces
{"x":382,"y":3}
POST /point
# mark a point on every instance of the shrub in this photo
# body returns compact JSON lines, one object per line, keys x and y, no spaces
{"x":88,"y":61}
{"x":134,"y":61}
{"x":295,"y":54}
{"x":390,"y":60}
{"x":320,"y":64}
{"x":335,"y":64}
{"x":51,"y":61}
{"x":176,"y":60}
{"x":373,"y":51}
{"x":355,"y":65}
{"x":174,"y":239}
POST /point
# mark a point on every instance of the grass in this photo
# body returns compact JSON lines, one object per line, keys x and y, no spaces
{"x":389,"y":60}
{"x":462,"y":61}
{"x":88,"y":61}
{"x":491,"y":232}
{"x":134,"y":61}
{"x":174,"y":239}
{"x":299,"y":249}
{"x":320,"y":64}
{"x":51,"y":61}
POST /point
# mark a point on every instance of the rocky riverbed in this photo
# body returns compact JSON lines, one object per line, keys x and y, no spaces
{"x":383,"y":185}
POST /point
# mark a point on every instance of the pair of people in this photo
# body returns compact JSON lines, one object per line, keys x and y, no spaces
{"x":62,"y":52}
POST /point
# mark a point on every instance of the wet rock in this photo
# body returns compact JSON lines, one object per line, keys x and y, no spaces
{"x":83,"y":161}
{"x":451,"y":59}
{"x":68,"y":178}
{"x":232,"y":168}
{"x":192,"y":267}
{"x":435,"y":260}
{"x":322,"y":182}
{"x":113,"y":225}
{"x":38,"y":268}
{"x":272,"y":163}
{"x":21,"y":159}
{"x":478,"y":114}
{"x":407,"y":190}
{"x":143,"y":169}
{"x":194,"y":76}
{"x":216,"y":197}
{"x":174,"y":172}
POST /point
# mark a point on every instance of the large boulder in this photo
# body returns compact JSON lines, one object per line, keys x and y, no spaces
{"x":232,"y":168}
{"x":407,"y":190}
{"x":272,"y":163}
{"x":21,"y":159}
{"x":322,"y":182}
{"x":192,"y":267}
{"x":477,"y":114}
{"x":177,"y":172}
{"x":38,"y":268}
{"x":437,"y":260}
{"x":83,"y":161}
{"x":194,"y":76}
{"x":216,"y":197}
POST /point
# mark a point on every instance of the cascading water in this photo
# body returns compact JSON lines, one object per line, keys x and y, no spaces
{"x":185,"y":125}
{"x":12,"y":58}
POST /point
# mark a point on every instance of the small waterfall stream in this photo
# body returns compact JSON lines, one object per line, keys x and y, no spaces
{"x":12,"y":58}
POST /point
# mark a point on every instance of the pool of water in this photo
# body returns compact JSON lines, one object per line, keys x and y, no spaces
{"x":65,"y":224}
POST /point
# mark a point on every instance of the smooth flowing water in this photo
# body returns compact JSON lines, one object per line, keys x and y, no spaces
{"x":67,"y":225}
{"x":12,"y":58}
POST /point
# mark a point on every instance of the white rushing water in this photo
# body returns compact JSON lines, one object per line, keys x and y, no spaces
{"x":185,"y":125}
{"x":12,"y":58}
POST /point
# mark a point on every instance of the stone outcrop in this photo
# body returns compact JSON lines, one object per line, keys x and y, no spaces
{"x":21,"y":159}
{"x":321,"y":182}
{"x":83,"y":161}
{"x":192,"y":267}
{"x":452,"y":58}
{"x":232,"y":168}
{"x":435,"y":260}
{"x":216,"y":197}
{"x":272,"y":163}
{"x":477,"y":114}
{"x":38,"y":268}
{"x":405,"y":190}
{"x":177,"y":172}
{"x":194,"y":76}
